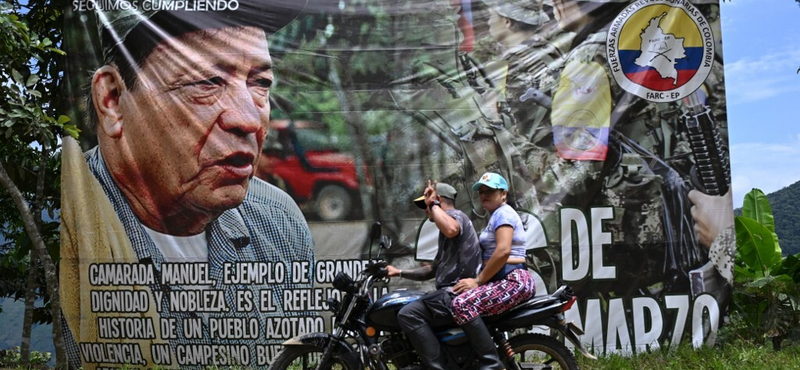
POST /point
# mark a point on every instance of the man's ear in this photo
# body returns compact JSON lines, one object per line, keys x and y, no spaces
{"x":107,"y":87}
{"x":507,"y":22}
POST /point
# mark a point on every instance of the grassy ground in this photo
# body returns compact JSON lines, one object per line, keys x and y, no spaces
{"x":738,"y":356}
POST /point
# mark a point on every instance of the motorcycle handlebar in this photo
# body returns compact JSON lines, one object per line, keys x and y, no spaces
{"x":377,"y":269}
{"x":374,"y":269}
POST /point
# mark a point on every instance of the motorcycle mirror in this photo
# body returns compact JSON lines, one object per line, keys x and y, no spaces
{"x":374,"y":233}
{"x":385,"y":242}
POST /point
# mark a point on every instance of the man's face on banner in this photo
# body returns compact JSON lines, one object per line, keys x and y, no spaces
{"x":497,"y":26}
{"x":194,"y":124}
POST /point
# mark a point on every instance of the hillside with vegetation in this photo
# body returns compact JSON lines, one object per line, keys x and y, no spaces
{"x":785,"y":205}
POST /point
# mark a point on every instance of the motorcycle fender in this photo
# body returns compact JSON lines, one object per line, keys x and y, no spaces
{"x":319,"y":340}
{"x":570,"y":331}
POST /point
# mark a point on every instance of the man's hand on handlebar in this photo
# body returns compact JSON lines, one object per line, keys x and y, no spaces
{"x":392,"y":271}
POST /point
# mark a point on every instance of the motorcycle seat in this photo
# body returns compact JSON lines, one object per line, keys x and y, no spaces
{"x":532,"y":304}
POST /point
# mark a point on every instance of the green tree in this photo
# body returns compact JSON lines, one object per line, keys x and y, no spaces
{"x":31,"y":68}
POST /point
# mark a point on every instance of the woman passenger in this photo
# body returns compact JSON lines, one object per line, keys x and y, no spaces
{"x":504,"y":281}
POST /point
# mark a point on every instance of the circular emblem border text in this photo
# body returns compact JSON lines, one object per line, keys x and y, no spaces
{"x":612,"y":47}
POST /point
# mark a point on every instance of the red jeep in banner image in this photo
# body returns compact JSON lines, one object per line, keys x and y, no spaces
{"x":305,"y":160}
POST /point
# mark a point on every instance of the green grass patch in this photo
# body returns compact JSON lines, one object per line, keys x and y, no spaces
{"x":733,"y":356}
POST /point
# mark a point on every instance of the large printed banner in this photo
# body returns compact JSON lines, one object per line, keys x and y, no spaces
{"x":235,"y":153}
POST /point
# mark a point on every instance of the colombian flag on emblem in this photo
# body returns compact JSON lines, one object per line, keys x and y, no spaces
{"x":660,"y":48}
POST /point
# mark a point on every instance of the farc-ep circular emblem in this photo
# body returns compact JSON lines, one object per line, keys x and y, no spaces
{"x":660,"y":50}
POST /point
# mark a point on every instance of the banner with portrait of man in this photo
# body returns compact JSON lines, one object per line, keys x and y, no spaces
{"x":234,"y":154}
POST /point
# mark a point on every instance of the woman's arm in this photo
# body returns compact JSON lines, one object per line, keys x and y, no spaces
{"x":503,"y":236}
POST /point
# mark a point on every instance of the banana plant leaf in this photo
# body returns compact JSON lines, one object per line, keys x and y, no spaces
{"x":755,"y":245}
{"x":756,"y":206}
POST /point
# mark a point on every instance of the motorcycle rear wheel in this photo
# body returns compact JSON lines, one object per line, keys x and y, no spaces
{"x":541,"y":352}
{"x":306,"y":357}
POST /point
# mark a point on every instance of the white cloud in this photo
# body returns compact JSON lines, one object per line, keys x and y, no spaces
{"x":762,"y":35}
{"x":749,"y":80}
{"x":747,"y":15}
{"x":766,"y":166}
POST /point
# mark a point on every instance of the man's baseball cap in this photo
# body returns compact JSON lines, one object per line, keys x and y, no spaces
{"x":443,"y":190}
{"x":492,"y":180}
{"x":184,"y":16}
{"x":529,"y":11}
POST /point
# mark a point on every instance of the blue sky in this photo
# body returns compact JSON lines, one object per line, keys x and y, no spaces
{"x":761,"y":49}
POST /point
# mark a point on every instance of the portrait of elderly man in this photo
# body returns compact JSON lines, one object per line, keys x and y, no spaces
{"x":166,"y":207}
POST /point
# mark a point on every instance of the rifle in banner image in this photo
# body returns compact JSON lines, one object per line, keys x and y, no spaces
{"x":711,"y":173}
{"x":472,"y":67}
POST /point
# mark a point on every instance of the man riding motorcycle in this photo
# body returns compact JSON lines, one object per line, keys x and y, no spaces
{"x":458,"y":257}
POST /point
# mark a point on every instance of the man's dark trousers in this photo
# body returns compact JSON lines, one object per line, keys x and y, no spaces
{"x":417,"y":320}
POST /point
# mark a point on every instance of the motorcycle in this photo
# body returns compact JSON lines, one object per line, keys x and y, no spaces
{"x":367,"y":334}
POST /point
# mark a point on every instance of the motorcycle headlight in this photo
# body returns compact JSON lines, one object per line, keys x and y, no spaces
{"x":344,"y":282}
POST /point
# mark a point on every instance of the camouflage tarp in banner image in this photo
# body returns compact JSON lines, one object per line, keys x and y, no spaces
{"x":235,"y":153}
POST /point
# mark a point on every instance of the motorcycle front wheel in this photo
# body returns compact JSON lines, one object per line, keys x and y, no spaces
{"x":307,"y":357}
{"x":541,"y":352}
